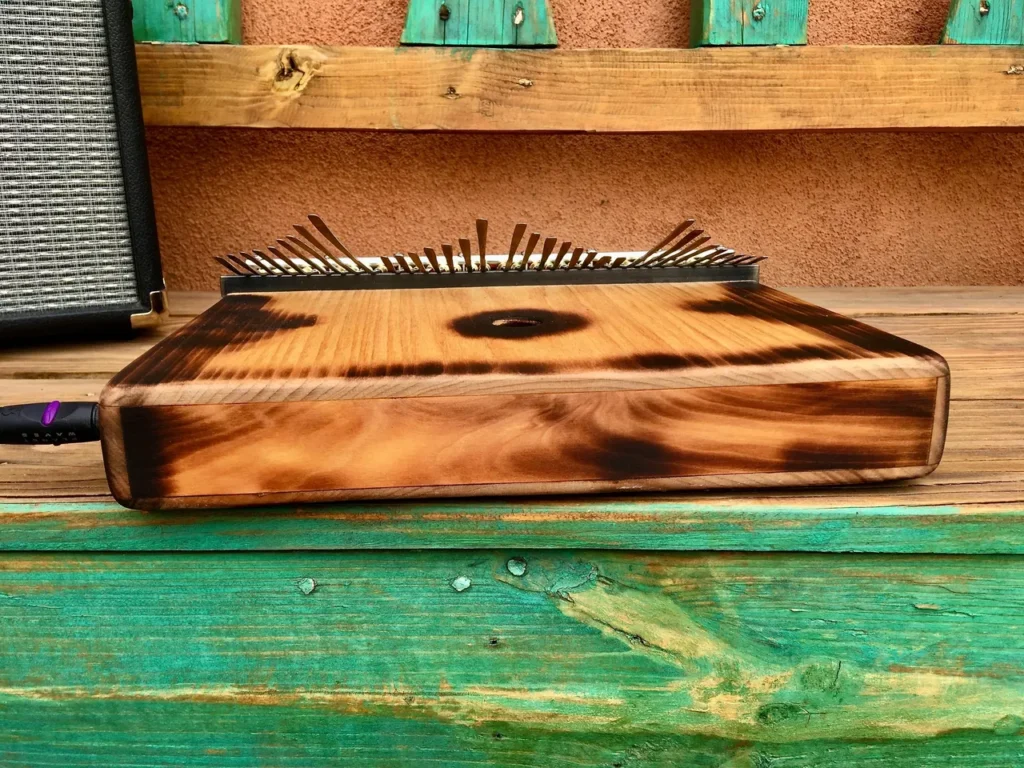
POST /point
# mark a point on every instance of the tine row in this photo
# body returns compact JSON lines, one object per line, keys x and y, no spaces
{"x":320,"y":251}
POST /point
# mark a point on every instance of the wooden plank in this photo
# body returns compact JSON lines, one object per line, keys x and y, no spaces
{"x":748,"y":22}
{"x":867,"y":302}
{"x":734,"y":89}
{"x":586,"y":658}
{"x":985,"y":22}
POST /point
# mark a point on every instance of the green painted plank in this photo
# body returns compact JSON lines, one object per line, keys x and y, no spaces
{"x":487,"y":22}
{"x":425,"y":22}
{"x":537,"y":29}
{"x":218,"y":21}
{"x":538,"y":524}
{"x":586,"y":658}
{"x":985,"y":22}
{"x":187,"y":21}
{"x":748,"y":22}
{"x":479,"y":23}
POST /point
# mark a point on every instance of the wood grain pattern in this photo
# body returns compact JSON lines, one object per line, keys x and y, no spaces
{"x":571,"y":388}
{"x":588,"y":659}
{"x":731,"y":89}
{"x":373,"y":344}
{"x":223,"y":455}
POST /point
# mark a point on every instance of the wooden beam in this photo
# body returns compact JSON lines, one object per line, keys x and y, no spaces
{"x":623,"y":91}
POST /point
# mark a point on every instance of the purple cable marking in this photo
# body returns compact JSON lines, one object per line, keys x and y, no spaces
{"x":50,"y":413}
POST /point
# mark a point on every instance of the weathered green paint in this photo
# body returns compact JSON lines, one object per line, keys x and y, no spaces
{"x":480,"y":23}
{"x":187,"y":21}
{"x":970,"y":24}
{"x":601,"y":522}
{"x":748,"y":22}
{"x":588,"y":658}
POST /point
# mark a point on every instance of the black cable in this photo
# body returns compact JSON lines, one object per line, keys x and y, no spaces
{"x":53,"y":423}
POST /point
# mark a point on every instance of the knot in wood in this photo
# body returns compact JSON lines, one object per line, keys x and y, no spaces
{"x":759,"y":12}
{"x":984,"y":7}
{"x":444,"y":12}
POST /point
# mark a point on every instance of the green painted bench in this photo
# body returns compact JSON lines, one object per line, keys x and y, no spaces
{"x":875,"y":627}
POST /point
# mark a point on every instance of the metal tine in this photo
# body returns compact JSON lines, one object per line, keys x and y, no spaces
{"x":734,"y":259}
{"x":421,"y":262}
{"x":265,"y":269}
{"x":548,"y":247}
{"x":697,"y":246}
{"x":700,"y":256}
{"x":590,"y":258}
{"x":449,"y":257}
{"x":327,"y":263}
{"x":517,"y":236}
{"x":750,"y":260}
{"x":681,"y":245}
{"x":315,"y":264}
{"x":467,"y":253}
{"x":324,"y":253}
{"x":710,"y":257}
{"x":416,"y":263}
{"x":225,"y":263}
{"x":668,"y":239}
{"x":531,"y":243}
{"x":276,"y":253}
{"x":431,"y":255}
{"x":263,"y":258}
{"x":241,"y":262}
{"x":603,"y":262}
{"x":723,"y":257}
{"x":617,"y":263}
{"x":324,"y":230}
{"x":562,"y":250}
{"x":481,"y":240}
{"x":575,"y":258}
{"x":386,"y":263}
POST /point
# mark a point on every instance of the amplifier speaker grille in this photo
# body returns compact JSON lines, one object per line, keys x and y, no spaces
{"x":65,"y":240}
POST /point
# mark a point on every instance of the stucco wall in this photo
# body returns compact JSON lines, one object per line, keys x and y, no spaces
{"x":830,"y":209}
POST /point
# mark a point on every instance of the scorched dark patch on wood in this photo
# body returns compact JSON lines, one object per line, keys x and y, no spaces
{"x":230,"y":323}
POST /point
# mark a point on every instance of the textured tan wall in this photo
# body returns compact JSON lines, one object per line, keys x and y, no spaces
{"x":830,"y":209}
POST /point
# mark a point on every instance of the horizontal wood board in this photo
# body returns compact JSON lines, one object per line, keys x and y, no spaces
{"x":617,"y":91}
{"x":57,"y":499}
{"x":511,"y":658}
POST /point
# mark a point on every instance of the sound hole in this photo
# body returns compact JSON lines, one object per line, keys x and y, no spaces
{"x":515,"y":322}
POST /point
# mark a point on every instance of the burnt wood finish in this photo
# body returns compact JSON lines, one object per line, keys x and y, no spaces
{"x":574,"y":388}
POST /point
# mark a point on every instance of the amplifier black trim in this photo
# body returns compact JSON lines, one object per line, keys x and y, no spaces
{"x":138,"y":198}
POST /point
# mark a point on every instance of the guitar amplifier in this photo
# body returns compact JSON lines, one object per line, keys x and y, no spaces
{"x":78,"y":245}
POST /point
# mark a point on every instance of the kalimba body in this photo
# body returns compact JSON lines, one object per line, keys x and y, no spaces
{"x":492,"y":389}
